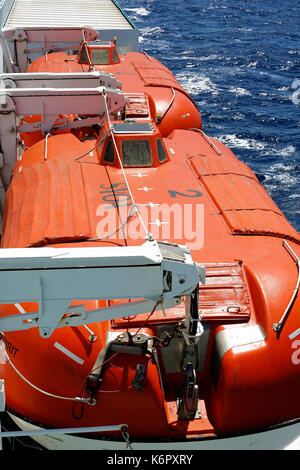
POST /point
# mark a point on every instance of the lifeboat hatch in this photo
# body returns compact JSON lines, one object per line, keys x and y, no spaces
{"x":241,"y":201}
{"x":98,"y":53}
{"x":135,"y":144}
{"x":224,"y":298}
{"x":53,"y":180}
{"x":132,"y":127}
{"x":137,"y":106}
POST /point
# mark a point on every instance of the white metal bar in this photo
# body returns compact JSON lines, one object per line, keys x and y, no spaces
{"x":278,"y":326}
{"x":2,"y":396}
{"x":92,"y":79}
{"x":48,"y":257}
{"x":49,"y":103}
{"x":37,"y":432}
{"x":40,"y":33}
{"x":208,"y":140}
{"x":27,"y":101}
{"x":54,"y":277}
{"x":77,"y":315}
{"x":38,"y":80}
{"x":2,"y":406}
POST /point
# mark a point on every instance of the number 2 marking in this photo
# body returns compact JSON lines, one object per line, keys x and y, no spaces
{"x":195,"y":193}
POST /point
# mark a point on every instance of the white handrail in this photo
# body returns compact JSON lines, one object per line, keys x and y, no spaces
{"x":279,"y":325}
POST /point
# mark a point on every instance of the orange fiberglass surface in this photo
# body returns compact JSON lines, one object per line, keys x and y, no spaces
{"x":243,"y":373}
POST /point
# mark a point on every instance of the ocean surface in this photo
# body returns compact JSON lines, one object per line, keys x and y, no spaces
{"x":239,"y":60}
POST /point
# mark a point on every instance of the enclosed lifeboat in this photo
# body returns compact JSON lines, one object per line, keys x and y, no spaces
{"x":145,"y":81}
{"x":223,"y":361}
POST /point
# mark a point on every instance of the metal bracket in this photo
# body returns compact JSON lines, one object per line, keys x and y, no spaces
{"x":54,"y":277}
{"x":188,"y":403}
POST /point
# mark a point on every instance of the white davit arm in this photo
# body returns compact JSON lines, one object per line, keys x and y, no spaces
{"x":54,"y":277}
{"x":49,"y":39}
{"x":49,"y":96}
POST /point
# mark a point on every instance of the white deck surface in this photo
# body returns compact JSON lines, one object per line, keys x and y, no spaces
{"x":98,"y":14}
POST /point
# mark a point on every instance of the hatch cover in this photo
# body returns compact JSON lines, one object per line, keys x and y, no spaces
{"x":224,"y":299}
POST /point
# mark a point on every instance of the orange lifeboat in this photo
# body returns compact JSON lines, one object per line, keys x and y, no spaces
{"x":223,"y":361}
{"x":140,"y":74}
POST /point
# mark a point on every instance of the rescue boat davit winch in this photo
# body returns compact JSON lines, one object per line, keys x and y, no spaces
{"x":149,"y":284}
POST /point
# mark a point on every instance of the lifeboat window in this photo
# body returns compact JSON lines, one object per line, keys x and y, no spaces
{"x":109,"y":155}
{"x":136,"y":153}
{"x":162,"y":156}
{"x":100,"y":56}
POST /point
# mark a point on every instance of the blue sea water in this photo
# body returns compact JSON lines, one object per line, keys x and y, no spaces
{"x":239,"y":60}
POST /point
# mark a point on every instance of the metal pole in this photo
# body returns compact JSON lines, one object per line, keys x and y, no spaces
{"x":2,"y":407}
